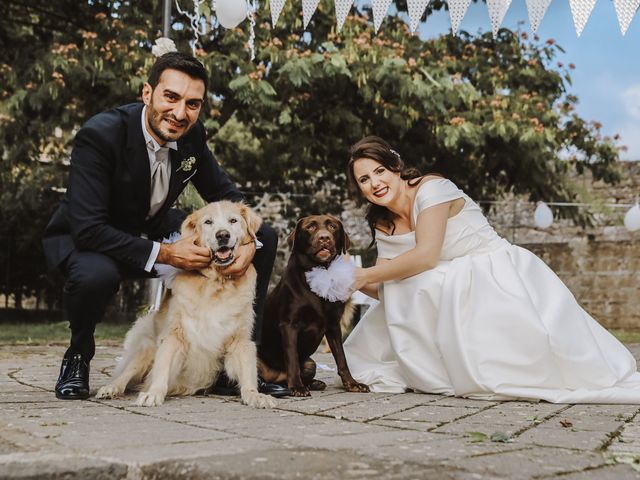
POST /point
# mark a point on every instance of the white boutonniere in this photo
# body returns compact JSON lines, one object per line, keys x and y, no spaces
{"x":187,"y":164}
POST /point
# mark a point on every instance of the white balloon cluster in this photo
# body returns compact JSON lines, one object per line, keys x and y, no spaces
{"x":543,"y":216}
{"x":632,"y":218}
{"x":231,"y":13}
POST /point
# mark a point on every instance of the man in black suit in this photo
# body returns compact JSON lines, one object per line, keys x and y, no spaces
{"x":128,"y":166}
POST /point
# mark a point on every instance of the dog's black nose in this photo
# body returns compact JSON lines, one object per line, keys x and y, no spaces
{"x":223,"y":237}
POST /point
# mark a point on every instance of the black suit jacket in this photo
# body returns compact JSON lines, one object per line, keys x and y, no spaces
{"x":108,"y":194}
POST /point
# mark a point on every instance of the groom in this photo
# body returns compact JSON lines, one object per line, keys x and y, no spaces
{"x":128,"y":166}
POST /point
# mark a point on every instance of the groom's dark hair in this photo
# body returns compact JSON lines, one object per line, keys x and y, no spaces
{"x":182,"y":62}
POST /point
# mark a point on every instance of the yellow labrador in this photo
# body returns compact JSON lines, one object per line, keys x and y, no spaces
{"x":203,"y":325}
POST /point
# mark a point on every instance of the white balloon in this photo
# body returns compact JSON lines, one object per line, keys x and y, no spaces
{"x":543,"y":216}
{"x":231,"y":13}
{"x":632,"y":218}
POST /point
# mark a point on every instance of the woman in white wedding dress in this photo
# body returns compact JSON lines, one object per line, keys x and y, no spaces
{"x":462,"y":311}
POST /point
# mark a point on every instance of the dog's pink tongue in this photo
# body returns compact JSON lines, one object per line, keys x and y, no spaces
{"x":223,"y":253}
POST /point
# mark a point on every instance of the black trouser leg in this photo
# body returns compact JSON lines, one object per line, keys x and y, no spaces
{"x":91,"y":280}
{"x":263,"y":263}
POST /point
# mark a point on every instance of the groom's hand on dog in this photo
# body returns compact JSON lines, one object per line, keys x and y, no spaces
{"x":244,"y":256}
{"x":184,"y":254}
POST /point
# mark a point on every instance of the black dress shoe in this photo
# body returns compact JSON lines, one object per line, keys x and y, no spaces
{"x":227,"y":387}
{"x":273,"y":389}
{"x":73,"y":382}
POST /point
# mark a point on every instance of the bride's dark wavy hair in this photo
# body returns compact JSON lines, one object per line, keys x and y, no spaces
{"x":375,"y":148}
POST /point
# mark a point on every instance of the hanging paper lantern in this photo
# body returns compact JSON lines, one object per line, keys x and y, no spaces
{"x":543,"y":216}
{"x":632,"y":218}
{"x":231,"y":13}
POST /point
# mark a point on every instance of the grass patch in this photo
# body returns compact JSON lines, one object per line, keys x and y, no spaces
{"x":627,"y":336}
{"x":56,"y":333}
{"x":113,"y":333}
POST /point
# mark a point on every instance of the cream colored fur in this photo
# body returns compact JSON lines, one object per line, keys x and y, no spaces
{"x":204,"y":324}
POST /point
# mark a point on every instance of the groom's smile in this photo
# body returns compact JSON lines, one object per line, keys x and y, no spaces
{"x":173,"y":105}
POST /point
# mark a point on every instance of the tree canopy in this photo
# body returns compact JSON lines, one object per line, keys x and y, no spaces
{"x":494,"y":115}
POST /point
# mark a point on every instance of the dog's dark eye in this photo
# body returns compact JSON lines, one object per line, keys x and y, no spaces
{"x":233,"y":220}
{"x":208,"y":222}
{"x":332,"y":226}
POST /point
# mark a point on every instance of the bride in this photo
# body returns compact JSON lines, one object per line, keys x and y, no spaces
{"x":462,"y":311}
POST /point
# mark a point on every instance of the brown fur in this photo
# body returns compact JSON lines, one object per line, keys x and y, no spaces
{"x":296,"y":319}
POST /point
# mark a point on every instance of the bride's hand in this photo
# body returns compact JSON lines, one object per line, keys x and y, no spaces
{"x":360,"y":279}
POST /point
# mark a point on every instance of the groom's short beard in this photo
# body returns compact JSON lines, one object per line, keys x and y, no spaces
{"x":154,"y":118}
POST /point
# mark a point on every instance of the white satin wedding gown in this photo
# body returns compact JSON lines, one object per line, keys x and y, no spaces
{"x":491,"y":321}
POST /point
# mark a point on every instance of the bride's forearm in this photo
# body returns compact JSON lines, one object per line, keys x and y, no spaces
{"x":403,"y":266}
{"x":371,"y":290}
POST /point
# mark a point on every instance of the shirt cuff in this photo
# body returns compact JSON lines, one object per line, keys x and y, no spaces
{"x":152,"y":257}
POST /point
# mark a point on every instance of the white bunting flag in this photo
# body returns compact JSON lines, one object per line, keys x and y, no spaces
{"x":276,"y":9}
{"x":457,"y":9}
{"x":416,"y":9}
{"x":342,"y":10}
{"x":626,"y":9}
{"x":497,"y":11}
{"x":308,"y":9}
{"x":537,"y":9}
{"x":380,"y":8}
{"x":581,"y":10}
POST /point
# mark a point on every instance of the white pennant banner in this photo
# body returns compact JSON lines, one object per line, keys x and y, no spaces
{"x":380,"y":8}
{"x":276,"y":7}
{"x":342,"y":10}
{"x":308,"y":9}
{"x":416,"y":9}
{"x":457,"y":9}
{"x":537,"y":9}
{"x":625,"y":10}
{"x":497,"y":11}
{"x":581,"y":10}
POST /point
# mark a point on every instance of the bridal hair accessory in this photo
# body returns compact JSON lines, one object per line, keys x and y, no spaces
{"x":395,"y":153}
{"x":163,"y":45}
{"x":333,"y":283}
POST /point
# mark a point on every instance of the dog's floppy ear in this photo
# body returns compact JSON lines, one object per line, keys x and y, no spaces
{"x":189,"y":227}
{"x":291,"y":239}
{"x":253,"y":220}
{"x":346,"y":242}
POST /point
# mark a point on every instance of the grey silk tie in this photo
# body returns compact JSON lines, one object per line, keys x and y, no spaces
{"x":159,"y":181}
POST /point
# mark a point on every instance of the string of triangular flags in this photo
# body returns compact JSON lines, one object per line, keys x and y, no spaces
{"x":580,"y":10}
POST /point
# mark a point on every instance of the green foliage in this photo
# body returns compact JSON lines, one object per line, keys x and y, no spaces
{"x":493,"y":115}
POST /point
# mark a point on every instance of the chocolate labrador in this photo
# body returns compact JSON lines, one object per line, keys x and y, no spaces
{"x":296,"y":319}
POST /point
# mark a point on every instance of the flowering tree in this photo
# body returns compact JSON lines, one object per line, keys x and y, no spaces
{"x":493,"y":115}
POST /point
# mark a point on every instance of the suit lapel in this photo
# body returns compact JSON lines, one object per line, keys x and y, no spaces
{"x":180,"y":173}
{"x":138,"y":161}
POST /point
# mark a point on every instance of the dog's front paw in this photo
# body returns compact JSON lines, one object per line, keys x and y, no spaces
{"x":258,"y":400}
{"x":108,"y":391}
{"x":356,"y":387}
{"x":300,"y":391}
{"x":149,"y":399}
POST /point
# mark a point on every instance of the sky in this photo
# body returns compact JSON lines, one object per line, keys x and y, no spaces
{"x":607,"y":75}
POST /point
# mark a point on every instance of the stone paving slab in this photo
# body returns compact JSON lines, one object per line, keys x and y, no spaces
{"x":332,"y":434}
